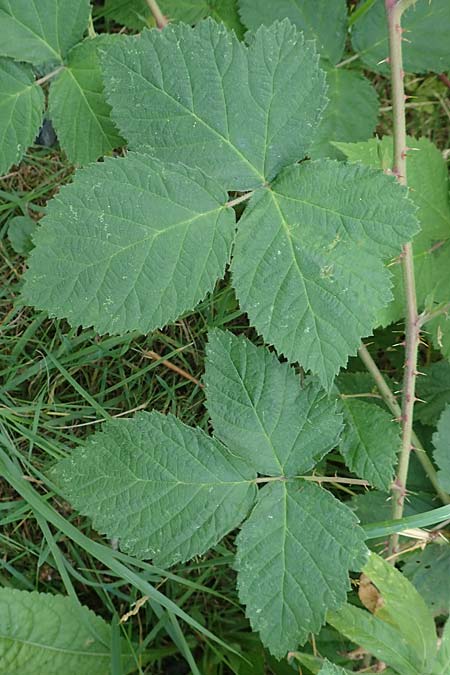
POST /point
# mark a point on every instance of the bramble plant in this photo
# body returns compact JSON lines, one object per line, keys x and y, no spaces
{"x":249,"y":156}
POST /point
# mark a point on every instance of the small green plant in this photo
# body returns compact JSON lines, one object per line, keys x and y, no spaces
{"x":235,"y":164}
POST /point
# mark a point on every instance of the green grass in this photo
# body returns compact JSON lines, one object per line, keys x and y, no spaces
{"x":58,"y":384}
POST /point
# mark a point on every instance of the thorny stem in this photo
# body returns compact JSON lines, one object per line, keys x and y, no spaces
{"x":429,"y":316}
{"x":161,"y":20}
{"x":238,"y":200}
{"x":317,"y":479}
{"x":394,"y":10}
{"x":395,"y":409}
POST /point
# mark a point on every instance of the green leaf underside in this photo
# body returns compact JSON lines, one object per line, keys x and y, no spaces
{"x":165,"y":490}
{"x":130,"y":244}
{"x":405,"y":609}
{"x":307,"y":265}
{"x":51,"y":634}
{"x":441,"y":442}
{"x":351,"y":114}
{"x":136,"y":14}
{"x":429,"y":571}
{"x":284,"y":577}
{"x":260,"y":410}
{"x":429,"y":190}
{"x":21,"y":108}
{"x":20,"y":230}
{"x":434,"y":390}
{"x":426,"y":48}
{"x":200,"y":97}
{"x":370,"y":442}
{"x":41,"y":31}
{"x":380,"y":639}
{"x":78,"y":107}
{"x":320,"y":20}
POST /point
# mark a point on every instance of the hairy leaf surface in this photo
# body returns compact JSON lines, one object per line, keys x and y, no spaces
{"x":284,"y":578}
{"x":441,"y":442}
{"x":429,"y":190}
{"x":426,"y":26}
{"x":52,"y":634}
{"x":351,"y":114}
{"x":78,"y":107}
{"x":320,"y":20}
{"x":21,"y":108}
{"x":370,"y":442}
{"x":43,"y":30}
{"x":260,"y":410}
{"x":200,"y":97}
{"x":130,"y":244}
{"x":307,"y":265}
{"x":165,"y":490}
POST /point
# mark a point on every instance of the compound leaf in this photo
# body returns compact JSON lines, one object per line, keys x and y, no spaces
{"x":21,"y":109}
{"x":426,"y":48}
{"x":130,"y":244}
{"x":41,"y":31}
{"x":200,"y":97}
{"x":319,"y":20}
{"x":351,"y":113}
{"x":370,"y":442}
{"x":78,"y":107}
{"x":307,"y":265}
{"x":165,"y":490}
{"x":52,"y":634}
{"x":441,"y":442}
{"x":260,"y":410}
{"x":284,"y":578}
{"x":429,"y":190}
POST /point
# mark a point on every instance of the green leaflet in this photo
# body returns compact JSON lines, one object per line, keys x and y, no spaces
{"x":351,"y":113}
{"x":165,"y":490}
{"x":331,"y":669}
{"x":401,"y":631}
{"x":426,"y":49}
{"x":429,"y":571}
{"x":130,"y":244}
{"x":78,"y":107}
{"x":20,"y":230}
{"x":260,"y":410}
{"x":320,"y":20}
{"x":217,"y":104}
{"x":307,"y":264}
{"x":370,"y":442}
{"x":429,"y":190}
{"x":52,"y":634}
{"x":21,"y":108}
{"x":434,"y":390}
{"x":136,"y":14}
{"x":284,"y":577}
{"x":43,"y":30}
{"x":441,"y":442}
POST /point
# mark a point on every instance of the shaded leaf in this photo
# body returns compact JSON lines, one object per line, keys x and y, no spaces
{"x":307,"y":265}
{"x":260,"y":410}
{"x":426,"y":25}
{"x":21,"y":109}
{"x":41,"y":31}
{"x":319,"y":20}
{"x":165,"y":490}
{"x":78,"y":107}
{"x":434,"y":389}
{"x":429,"y":571}
{"x":442,"y":664}
{"x":20,"y":229}
{"x":351,"y":114}
{"x":284,"y":578}
{"x":441,"y":442}
{"x":52,"y":634}
{"x":370,"y":442}
{"x":130,"y":244}
{"x":215,"y":103}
